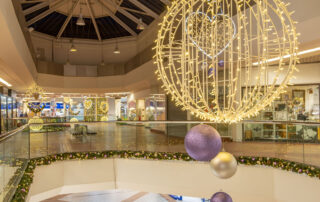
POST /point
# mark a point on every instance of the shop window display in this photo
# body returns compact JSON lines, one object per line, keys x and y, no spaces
{"x":299,"y":104}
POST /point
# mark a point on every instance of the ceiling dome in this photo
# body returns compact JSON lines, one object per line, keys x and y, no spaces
{"x":103,"y":19}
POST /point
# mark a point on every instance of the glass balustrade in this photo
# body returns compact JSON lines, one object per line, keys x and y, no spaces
{"x":299,"y":142}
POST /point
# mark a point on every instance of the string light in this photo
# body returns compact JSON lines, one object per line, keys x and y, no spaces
{"x":35,"y":92}
{"x":196,"y":35}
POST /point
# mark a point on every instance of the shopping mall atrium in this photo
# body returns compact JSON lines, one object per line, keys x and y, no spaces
{"x":160,"y":100}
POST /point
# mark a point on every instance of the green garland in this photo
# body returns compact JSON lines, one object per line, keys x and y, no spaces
{"x":27,"y":178}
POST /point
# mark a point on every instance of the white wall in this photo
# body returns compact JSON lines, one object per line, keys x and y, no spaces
{"x":250,"y":184}
{"x":89,"y":51}
{"x":16,"y":63}
{"x":136,"y":80}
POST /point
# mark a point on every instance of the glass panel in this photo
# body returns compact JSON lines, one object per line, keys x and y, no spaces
{"x":4,"y":125}
{"x":10,"y":113}
{"x":14,"y":157}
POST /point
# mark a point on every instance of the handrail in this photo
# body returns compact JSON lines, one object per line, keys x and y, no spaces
{"x":195,"y":122}
{"x":6,"y":135}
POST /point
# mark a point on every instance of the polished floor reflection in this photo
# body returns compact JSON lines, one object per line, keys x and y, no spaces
{"x":165,"y":138}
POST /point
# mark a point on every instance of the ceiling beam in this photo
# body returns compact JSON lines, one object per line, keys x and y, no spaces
{"x":128,"y":15}
{"x":134,"y":11}
{"x":46,"y":13}
{"x":35,"y":8}
{"x":93,"y":19}
{"x":144,"y":8}
{"x":111,"y":14}
{"x":68,"y":19}
{"x":31,"y":1}
{"x":166,"y":2}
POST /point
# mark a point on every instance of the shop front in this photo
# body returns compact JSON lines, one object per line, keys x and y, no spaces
{"x":68,"y":108}
{"x":300,"y":104}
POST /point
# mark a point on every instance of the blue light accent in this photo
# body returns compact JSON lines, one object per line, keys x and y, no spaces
{"x":59,"y":105}
{"x":177,"y":198}
{"x":209,"y":56}
{"x":47,"y":105}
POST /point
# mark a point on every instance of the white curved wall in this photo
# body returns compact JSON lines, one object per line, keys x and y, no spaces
{"x":250,"y":184}
{"x":16,"y":63}
{"x":138,"y":79}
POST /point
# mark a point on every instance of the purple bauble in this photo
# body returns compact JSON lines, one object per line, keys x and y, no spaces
{"x":221,"y":63}
{"x":221,"y":197}
{"x":203,"y":142}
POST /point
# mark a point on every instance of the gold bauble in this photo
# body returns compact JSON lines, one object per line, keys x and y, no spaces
{"x":224,"y":165}
{"x":104,"y":118}
{"x":74,"y":120}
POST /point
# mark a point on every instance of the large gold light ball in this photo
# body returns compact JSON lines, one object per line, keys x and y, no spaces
{"x":35,"y":123}
{"x":74,"y":120}
{"x":224,"y":165}
{"x":223,"y":60}
{"x":104,"y":118}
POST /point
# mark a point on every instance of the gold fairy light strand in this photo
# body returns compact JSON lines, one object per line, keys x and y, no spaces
{"x":213,"y":56}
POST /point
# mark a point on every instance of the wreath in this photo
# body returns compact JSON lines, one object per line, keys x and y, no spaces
{"x":88,"y":104}
{"x":104,"y":107}
{"x":73,"y":113}
{"x":36,"y":108}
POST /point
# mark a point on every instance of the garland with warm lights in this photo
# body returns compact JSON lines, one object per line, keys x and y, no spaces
{"x":27,"y":178}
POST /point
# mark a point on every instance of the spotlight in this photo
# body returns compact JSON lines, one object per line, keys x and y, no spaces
{"x":140,"y":25}
{"x":30,"y":29}
{"x":80,"y":21}
{"x":73,"y":48}
{"x":116,"y":50}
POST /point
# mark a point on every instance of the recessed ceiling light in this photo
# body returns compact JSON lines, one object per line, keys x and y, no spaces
{"x":5,"y":82}
{"x":288,"y":56}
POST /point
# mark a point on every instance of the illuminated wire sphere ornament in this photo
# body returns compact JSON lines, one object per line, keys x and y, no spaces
{"x":256,"y":40}
{"x":221,"y":197}
{"x":224,"y":165}
{"x":203,"y":142}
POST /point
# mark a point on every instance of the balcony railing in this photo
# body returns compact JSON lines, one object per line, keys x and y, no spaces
{"x":38,"y":140}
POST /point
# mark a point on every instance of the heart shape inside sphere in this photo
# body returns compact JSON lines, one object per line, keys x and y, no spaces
{"x":220,"y":28}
